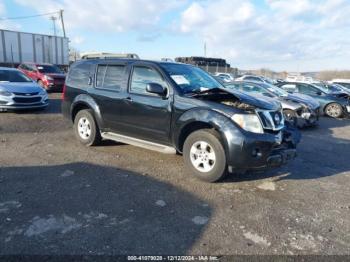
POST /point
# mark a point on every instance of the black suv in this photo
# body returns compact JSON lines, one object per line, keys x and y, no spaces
{"x":173,"y":107}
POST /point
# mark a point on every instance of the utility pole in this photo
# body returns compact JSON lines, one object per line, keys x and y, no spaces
{"x":54,"y":18}
{"x":62,"y":23}
{"x":205,"y":49}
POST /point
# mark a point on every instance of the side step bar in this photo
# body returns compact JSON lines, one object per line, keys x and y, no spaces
{"x":138,"y":142}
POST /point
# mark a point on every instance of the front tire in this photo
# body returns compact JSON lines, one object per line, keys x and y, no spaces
{"x":86,"y":129}
{"x":204,"y":155}
{"x":334,"y":110}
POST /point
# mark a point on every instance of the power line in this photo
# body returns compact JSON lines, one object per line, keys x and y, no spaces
{"x":29,"y":16}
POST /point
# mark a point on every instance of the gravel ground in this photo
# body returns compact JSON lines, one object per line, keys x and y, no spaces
{"x":58,"y":197}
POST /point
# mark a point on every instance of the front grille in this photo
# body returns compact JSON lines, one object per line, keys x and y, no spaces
{"x":269,"y":119}
{"x":25,"y":94}
{"x":27,"y":99}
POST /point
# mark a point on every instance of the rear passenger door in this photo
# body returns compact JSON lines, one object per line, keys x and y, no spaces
{"x":110,"y":81}
{"x":144,"y":115}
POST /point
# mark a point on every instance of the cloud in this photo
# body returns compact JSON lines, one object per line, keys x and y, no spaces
{"x":7,"y":24}
{"x":77,"y":40}
{"x":280,"y":34}
{"x":107,"y":15}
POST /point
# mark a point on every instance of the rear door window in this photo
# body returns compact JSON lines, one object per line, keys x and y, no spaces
{"x":290,"y":87}
{"x":110,"y":76}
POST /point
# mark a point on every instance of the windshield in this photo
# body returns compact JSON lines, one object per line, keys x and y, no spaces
{"x":13,"y":76}
{"x":274,"y":89}
{"x":50,"y":69}
{"x":191,"y":79}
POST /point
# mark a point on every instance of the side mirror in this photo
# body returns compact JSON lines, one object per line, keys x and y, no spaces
{"x":319,"y":93}
{"x":155,"y":88}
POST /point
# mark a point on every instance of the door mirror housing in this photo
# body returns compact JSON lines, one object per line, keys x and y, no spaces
{"x":319,"y":93}
{"x":155,"y":88}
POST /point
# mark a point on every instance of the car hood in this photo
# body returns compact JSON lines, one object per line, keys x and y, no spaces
{"x":27,"y":87}
{"x":304,"y":99}
{"x":256,"y":100}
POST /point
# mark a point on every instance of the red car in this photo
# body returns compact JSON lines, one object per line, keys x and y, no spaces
{"x":48,"y":76}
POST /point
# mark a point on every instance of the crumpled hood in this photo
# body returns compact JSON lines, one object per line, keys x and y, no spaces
{"x":27,"y":87}
{"x":305,"y":99}
{"x":258,"y":101}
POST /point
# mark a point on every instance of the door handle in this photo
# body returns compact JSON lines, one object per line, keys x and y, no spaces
{"x":128,"y":99}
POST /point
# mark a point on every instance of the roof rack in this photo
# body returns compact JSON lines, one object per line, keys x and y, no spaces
{"x":104,"y":55}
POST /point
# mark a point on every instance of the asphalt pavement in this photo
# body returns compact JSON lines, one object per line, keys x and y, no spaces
{"x":59,"y":197}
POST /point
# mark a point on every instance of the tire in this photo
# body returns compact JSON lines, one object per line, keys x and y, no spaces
{"x":204,"y":155}
{"x":86,"y":129}
{"x":334,"y":110}
{"x":290,"y":116}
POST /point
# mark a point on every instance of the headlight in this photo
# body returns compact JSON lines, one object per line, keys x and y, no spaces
{"x":248,"y":122}
{"x":43,"y":92}
{"x":5,"y":93}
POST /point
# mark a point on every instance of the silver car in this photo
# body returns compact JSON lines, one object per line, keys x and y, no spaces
{"x":18,"y":92}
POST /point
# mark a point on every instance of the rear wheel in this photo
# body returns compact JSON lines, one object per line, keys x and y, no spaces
{"x":334,"y":110}
{"x":204,"y":155}
{"x":86,"y":129}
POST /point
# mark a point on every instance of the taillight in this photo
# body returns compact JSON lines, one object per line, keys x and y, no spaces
{"x":64,"y":91}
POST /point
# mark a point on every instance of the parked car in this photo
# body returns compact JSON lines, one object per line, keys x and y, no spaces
{"x":17,"y":91}
{"x":299,"y":109}
{"x":171,"y":107}
{"x":226,"y":77}
{"x":255,"y":78}
{"x":334,"y":88}
{"x":343,"y":82}
{"x":49,"y":76}
{"x":333,"y":104}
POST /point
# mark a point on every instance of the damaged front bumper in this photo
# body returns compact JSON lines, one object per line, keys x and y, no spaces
{"x":259,"y":151}
{"x":308,"y":117}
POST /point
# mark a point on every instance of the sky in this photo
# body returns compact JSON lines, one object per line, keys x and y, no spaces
{"x":297,"y":35}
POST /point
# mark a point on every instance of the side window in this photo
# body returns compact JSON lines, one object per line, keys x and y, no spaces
{"x":306,"y":89}
{"x":79,"y":75}
{"x":109,"y":76}
{"x":252,"y":88}
{"x":252,"y":78}
{"x":290,"y":87}
{"x":142,"y":76}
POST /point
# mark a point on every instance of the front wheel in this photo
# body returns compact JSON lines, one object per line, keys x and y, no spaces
{"x":86,"y":129}
{"x":204,"y":155}
{"x":334,"y":110}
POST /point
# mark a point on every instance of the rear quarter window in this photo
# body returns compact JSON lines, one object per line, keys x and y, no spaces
{"x":78,"y":75}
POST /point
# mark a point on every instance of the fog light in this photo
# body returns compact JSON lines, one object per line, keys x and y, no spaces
{"x":256,"y":153}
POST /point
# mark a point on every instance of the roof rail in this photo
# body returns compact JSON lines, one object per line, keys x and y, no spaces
{"x":104,"y":55}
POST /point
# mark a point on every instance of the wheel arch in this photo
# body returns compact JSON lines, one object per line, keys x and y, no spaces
{"x":82,"y":102}
{"x":197,"y":119}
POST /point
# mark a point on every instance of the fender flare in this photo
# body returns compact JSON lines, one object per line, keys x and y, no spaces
{"x":87,"y":101}
{"x":215,"y":119}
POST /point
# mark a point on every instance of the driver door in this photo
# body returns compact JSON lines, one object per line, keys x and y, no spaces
{"x":144,"y":115}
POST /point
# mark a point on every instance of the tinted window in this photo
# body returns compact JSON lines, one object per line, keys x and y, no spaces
{"x":252,"y":78}
{"x":307,"y":89}
{"x":253,"y":88}
{"x":50,"y":69}
{"x":79,"y":75}
{"x":289,"y":87}
{"x":109,"y":76}
{"x":142,"y":76}
{"x":13,"y":76}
